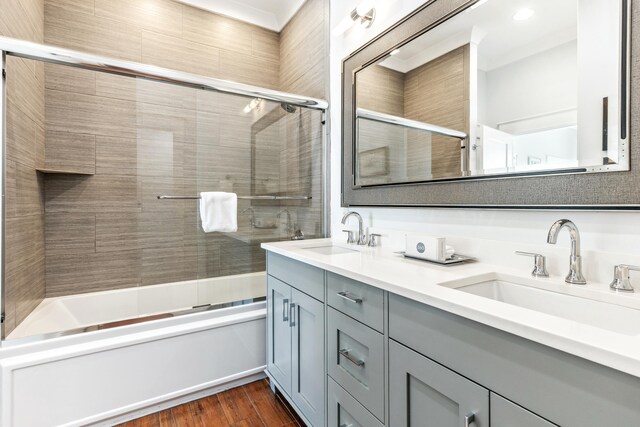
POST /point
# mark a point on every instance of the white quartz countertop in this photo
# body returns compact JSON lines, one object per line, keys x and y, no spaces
{"x":422,"y":281}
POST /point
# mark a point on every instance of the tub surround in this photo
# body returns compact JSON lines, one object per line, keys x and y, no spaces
{"x":421,"y":282}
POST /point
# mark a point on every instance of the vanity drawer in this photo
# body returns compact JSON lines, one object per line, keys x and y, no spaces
{"x":344,"y":410}
{"x":356,"y":360}
{"x":301,"y":276}
{"x":363,"y":302}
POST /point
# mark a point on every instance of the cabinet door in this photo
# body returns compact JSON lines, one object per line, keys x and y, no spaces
{"x":505,"y":413}
{"x":279,"y":332}
{"x":307,"y":360}
{"x":426,"y":394}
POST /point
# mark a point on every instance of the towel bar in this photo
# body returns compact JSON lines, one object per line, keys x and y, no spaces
{"x":239,"y":197}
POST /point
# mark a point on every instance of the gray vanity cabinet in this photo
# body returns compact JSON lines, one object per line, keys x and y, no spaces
{"x":426,"y":394}
{"x":279,"y":332}
{"x":307,"y":361}
{"x":348,"y":354}
{"x":507,"y":414}
{"x":295,"y":335}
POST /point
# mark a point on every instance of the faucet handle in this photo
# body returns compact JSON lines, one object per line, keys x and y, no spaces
{"x":621,"y":282}
{"x":540,"y":264}
{"x":351,"y":236}
{"x":374,"y":240}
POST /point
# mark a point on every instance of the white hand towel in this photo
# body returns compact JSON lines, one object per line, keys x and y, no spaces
{"x":219,"y":212}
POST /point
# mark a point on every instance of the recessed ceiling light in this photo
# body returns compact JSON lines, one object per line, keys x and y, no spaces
{"x":394,"y":52}
{"x":523,"y":14}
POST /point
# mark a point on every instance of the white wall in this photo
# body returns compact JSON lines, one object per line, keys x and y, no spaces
{"x":546,"y":89}
{"x":612,"y":232}
{"x":599,"y":61}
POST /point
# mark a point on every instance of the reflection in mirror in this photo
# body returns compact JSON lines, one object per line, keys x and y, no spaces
{"x":531,"y":86}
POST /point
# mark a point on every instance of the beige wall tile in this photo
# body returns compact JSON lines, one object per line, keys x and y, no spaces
{"x":74,"y":112}
{"x":21,"y":136}
{"x":71,"y":274}
{"x":22,"y":19}
{"x":162,"y":265}
{"x":161,"y":16}
{"x":179,"y":54}
{"x":88,"y":33}
{"x":76,"y":6}
{"x":217,"y":30}
{"x":116,"y":156}
{"x":92,"y":194}
{"x":25,"y":87}
{"x":145,"y":91}
{"x":299,"y":55}
{"x":24,"y":238}
{"x":69,"y":79}
{"x":265,"y":44}
{"x":146,"y":230}
{"x":70,"y":152}
{"x":24,"y":194}
{"x":249,"y":69}
{"x":152,"y":138}
{"x":70,"y":233}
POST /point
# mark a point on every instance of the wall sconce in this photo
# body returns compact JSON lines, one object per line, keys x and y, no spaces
{"x":364,"y":13}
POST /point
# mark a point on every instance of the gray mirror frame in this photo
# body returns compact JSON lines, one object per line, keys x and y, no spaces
{"x":572,"y":190}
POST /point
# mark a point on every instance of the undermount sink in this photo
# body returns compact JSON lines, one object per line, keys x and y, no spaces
{"x":600,"y":314}
{"x":330,"y":250}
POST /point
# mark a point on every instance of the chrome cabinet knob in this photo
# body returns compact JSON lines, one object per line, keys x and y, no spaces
{"x":621,"y":280}
{"x":540,"y":264}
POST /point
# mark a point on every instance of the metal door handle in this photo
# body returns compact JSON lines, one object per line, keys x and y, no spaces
{"x":345,"y":353}
{"x":469,"y":419}
{"x":285,"y":310}
{"x":292,"y":315}
{"x":346,"y":295}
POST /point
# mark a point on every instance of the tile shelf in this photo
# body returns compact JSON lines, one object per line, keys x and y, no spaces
{"x":63,"y":171}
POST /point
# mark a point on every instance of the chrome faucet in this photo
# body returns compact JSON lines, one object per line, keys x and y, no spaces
{"x":575,"y":276}
{"x":361,"y":239}
{"x":285,"y":211}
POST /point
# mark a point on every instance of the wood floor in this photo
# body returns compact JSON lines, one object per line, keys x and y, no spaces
{"x":250,"y":405}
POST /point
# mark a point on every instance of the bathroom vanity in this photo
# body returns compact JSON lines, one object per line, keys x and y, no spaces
{"x":359,"y":337}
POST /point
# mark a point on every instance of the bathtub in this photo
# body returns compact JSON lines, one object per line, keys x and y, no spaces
{"x":113,"y":375}
{"x":75,"y":312}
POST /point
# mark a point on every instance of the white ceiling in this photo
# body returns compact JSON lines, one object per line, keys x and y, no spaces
{"x":500,"y":39}
{"x":270,"y":14}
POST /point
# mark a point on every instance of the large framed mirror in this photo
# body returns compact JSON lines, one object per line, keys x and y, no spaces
{"x":493,"y":103}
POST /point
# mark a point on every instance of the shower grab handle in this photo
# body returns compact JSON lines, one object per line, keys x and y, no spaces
{"x":285,"y":310}
{"x":292,"y":315}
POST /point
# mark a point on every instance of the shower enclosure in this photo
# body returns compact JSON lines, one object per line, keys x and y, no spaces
{"x":101,"y":226}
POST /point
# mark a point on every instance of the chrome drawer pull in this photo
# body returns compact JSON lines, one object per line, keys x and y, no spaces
{"x":285,"y":310}
{"x":292,"y":315}
{"x":345,"y":425}
{"x":349,"y":297}
{"x":469,"y":419}
{"x":345,"y":353}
